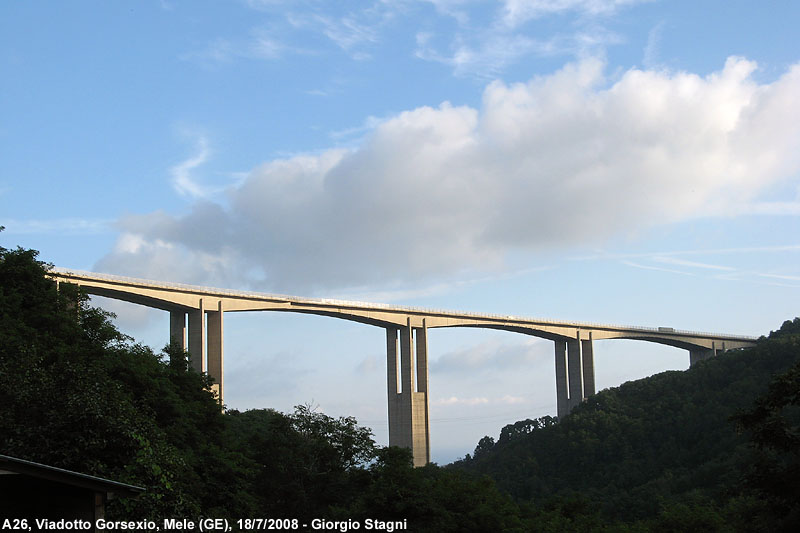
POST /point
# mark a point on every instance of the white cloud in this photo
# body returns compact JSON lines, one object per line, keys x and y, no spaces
{"x":263,"y":46}
{"x":488,"y":55}
{"x":354,"y":32}
{"x":182,"y":179}
{"x":455,"y":400}
{"x":370,"y":365}
{"x":457,"y":9}
{"x":511,"y":400}
{"x":652,"y":49}
{"x":781,"y":276}
{"x":693,"y":264}
{"x":260,"y":44}
{"x":516,"y":12}
{"x":782,"y":248}
{"x":129,"y":316}
{"x":658,"y":269}
{"x":492,"y":356}
{"x":568,"y":158}
{"x":478,"y":400}
{"x":500,"y":37}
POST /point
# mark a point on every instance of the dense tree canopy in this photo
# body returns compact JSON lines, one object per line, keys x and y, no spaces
{"x":663,"y":452}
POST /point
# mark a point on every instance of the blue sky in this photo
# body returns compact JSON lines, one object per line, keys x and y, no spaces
{"x":615,"y":161}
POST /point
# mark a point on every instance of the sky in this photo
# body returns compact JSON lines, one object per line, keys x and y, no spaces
{"x":614,"y":161}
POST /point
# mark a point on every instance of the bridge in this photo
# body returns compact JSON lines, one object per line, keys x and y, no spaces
{"x":197,"y":320}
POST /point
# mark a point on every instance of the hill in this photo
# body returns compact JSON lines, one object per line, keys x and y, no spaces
{"x":677,"y":442}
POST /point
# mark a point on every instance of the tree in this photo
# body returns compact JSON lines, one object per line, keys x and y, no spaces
{"x":76,"y":394}
{"x":773,"y":424}
{"x":484,"y":446}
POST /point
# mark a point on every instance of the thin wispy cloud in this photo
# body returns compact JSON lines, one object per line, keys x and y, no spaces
{"x":454,"y":285}
{"x":656,"y":268}
{"x":354,"y":32}
{"x":369,"y":124}
{"x":260,"y":45}
{"x":693,"y":264}
{"x":781,"y":248}
{"x":455,"y":400}
{"x":456,"y":9}
{"x":182,"y":179}
{"x":488,"y":56}
{"x":518,"y":12}
{"x":492,"y":356}
{"x":485,"y":50}
{"x":347,"y":32}
{"x":370,"y":365}
{"x":58,"y":226}
{"x":719,"y":272}
{"x":484,"y":41}
{"x":652,"y":49}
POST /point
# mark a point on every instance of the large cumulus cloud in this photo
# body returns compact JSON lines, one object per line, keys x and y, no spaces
{"x":567,"y":158}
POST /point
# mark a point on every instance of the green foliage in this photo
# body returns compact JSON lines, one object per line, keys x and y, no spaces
{"x":773,"y":425}
{"x":661,"y":453}
{"x":432,"y":498}
{"x":77,"y":394}
{"x":789,"y":327}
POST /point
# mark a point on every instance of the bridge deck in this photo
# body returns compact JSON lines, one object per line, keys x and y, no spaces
{"x":175,"y":296}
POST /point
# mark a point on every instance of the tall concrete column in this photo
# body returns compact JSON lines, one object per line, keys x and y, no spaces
{"x":421,"y":338}
{"x":215,"y":343}
{"x":177,"y":328}
{"x":562,"y":385}
{"x":197,"y":337}
{"x":575,"y":371}
{"x":392,"y":377}
{"x":392,"y":386}
{"x":587,"y":357}
{"x":407,"y":366}
{"x":397,"y":424}
{"x":408,"y":407}
{"x":420,"y":411}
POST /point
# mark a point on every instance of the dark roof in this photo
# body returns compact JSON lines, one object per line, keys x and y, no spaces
{"x":68,"y":477}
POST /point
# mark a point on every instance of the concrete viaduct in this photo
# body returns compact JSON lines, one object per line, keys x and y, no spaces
{"x":406,"y":340}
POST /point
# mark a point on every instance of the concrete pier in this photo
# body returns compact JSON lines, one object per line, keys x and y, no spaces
{"x":205,"y":340}
{"x":197,"y":337}
{"x":699,"y":354}
{"x":587,"y":358}
{"x":177,"y":328}
{"x":562,"y":393}
{"x":407,"y":390}
{"x":214,"y":348}
{"x":574,"y":372}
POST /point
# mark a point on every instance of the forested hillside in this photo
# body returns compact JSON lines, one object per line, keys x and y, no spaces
{"x":689,"y":446}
